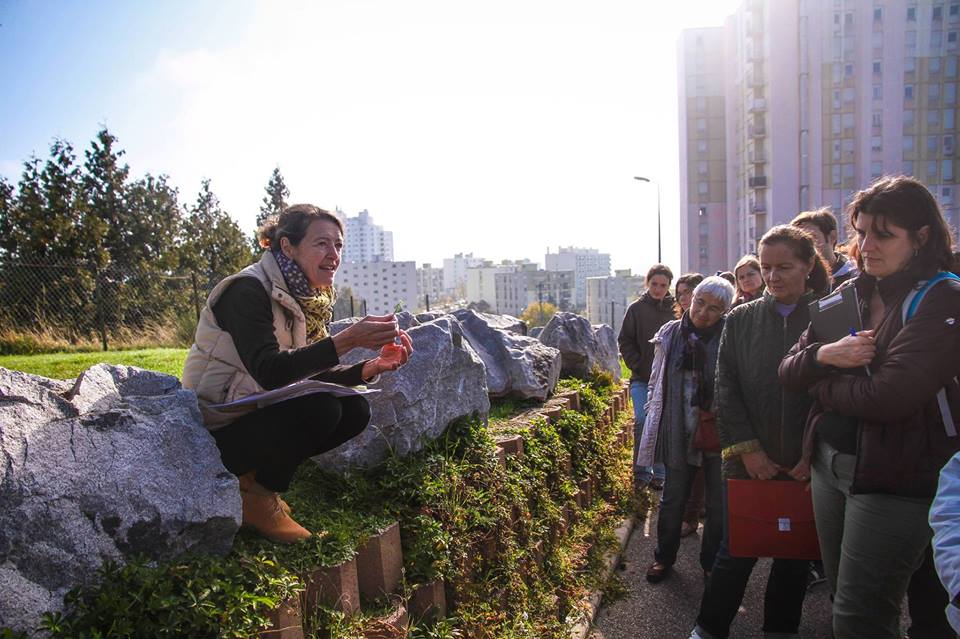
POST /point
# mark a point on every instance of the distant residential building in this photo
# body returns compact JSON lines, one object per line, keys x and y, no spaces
{"x":608,"y":297}
{"x":365,"y":241}
{"x":584,"y":263}
{"x":797,"y":104}
{"x":455,"y":272}
{"x":430,"y":284}
{"x":482,"y":282}
{"x":518,"y":289}
{"x":382,"y":284}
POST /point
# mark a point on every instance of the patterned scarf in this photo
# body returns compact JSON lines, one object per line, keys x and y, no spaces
{"x":316,"y":303}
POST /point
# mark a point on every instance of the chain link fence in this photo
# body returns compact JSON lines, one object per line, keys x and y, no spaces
{"x":72,"y":303}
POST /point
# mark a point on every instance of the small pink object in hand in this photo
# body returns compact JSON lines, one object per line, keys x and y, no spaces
{"x":392,"y":354}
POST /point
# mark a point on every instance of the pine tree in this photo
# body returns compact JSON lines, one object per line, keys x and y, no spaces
{"x":108,"y":218}
{"x":276,"y":198}
{"x":6,"y":210}
{"x":26,"y":238}
{"x":213,"y":244}
{"x":61,"y":183}
{"x":272,"y":204}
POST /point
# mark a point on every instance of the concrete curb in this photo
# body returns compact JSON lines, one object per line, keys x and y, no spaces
{"x":581,"y":629}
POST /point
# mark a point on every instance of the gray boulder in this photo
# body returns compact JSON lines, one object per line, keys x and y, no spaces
{"x":516,"y":365}
{"x":429,"y":316}
{"x":444,"y":380}
{"x":115,"y":464}
{"x":507,"y":323}
{"x":581,"y":345}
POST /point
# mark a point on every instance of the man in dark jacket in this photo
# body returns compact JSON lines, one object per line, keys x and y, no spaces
{"x":822,"y":225}
{"x":640,"y":323}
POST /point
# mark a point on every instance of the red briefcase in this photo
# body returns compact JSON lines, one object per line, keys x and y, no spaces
{"x":771,"y":519}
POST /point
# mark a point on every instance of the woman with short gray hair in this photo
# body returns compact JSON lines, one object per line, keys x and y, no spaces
{"x":680,"y":430}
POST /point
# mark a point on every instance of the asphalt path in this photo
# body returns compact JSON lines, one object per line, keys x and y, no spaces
{"x":669,"y":609}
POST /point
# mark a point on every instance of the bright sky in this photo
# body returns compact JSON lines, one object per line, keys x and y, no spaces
{"x":500,"y":127}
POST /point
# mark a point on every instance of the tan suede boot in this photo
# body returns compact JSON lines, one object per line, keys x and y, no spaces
{"x":262,"y":511}
{"x":247,"y":479}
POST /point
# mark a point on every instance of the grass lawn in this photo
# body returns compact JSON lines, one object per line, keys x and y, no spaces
{"x":69,"y":365}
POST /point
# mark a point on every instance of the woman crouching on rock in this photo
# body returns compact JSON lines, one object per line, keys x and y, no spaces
{"x":266,"y":327}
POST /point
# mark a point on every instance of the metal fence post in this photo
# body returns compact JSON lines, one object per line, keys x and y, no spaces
{"x":98,"y":301}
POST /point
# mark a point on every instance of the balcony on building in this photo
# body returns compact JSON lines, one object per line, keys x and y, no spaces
{"x":757,"y":181}
{"x":757,"y":130}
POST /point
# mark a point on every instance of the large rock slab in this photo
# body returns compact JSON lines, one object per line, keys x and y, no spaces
{"x":115,"y":464}
{"x":516,"y":365}
{"x":443,"y":381}
{"x":581,"y":345}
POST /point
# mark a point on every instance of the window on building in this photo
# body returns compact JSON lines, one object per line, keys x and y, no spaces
{"x":954,"y":10}
{"x":951,"y":37}
{"x":701,"y":146}
{"x":876,"y":143}
{"x":703,"y":188}
{"x":932,"y":170}
{"x":938,"y":13}
{"x":933,"y":93}
{"x":877,"y":14}
{"x":911,"y":14}
{"x":933,"y":143}
{"x":948,"y":144}
{"x":911,"y":42}
{"x":946,"y":171}
{"x":837,"y":47}
{"x":933,"y":118}
{"x":908,"y":143}
{"x":702,"y":168}
{"x":908,"y":167}
{"x":877,"y":92}
{"x":847,"y":121}
{"x":847,"y":148}
{"x":848,"y":95}
{"x":848,"y":171}
{"x":835,"y":124}
{"x":876,"y":119}
{"x":837,"y":72}
{"x":848,"y":19}
{"x":701,"y":125}
{"x":876,"y":169}
{"x":848,"y":70}
{"x":936,"y":42}
{"x":836,"y":100}
{"x":908,"y":92}
{"x":948,"y":119}
{"x":950,"y":93}
{"x":836,"y":151}
{"x":933,"y":67}
{"x":877,"y":67}
{"x":947,"y":195}
{"x":951,"y":71}
{"x":835,"y":174}
{"x":909,"y":65}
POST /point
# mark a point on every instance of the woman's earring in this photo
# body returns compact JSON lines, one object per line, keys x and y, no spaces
{"x":916,"y":252}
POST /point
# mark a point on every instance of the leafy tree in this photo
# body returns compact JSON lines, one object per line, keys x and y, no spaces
{"x":24,"y":237}
{"x":61,"y":182}
{"x":6,"y":209}
{"x":213,"y":245}
{"x":538,"y":315}
{"x":272,"y":204}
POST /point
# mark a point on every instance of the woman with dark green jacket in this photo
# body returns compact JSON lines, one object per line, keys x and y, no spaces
{"x":761,"y":425}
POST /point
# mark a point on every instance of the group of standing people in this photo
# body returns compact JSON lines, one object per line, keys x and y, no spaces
{"x":732,"y":382}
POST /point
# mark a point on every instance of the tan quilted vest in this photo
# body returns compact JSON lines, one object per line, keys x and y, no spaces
{"x":213,"y":368}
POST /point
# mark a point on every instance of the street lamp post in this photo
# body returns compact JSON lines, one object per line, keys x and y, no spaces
{"x":659,"y":247}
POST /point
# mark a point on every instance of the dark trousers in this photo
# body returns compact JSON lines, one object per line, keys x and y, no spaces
{"x":927,"y":600}
{"x":723,"y":594}
{"x":676,"y":492}
{"x":275,"y":440}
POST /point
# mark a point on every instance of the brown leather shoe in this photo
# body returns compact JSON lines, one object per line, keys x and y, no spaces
{"x":262,"y":510}
{"x":657,"y":572}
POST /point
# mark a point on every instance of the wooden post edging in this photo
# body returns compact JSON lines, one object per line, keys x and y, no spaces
{"x":581,"y":628}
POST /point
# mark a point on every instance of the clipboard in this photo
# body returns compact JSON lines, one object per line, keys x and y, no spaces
{"x":833,"y":317}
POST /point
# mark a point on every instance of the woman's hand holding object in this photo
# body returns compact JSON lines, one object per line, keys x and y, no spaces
{"x":759,"y":466}
{"x":373,"y":331}
{"x":392,"y":356}
{"x":851,"y":351}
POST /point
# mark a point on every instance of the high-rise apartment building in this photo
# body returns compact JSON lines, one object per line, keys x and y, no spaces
{"x":382,"y":285}
{"x":584,"y":263}
{"x":365,"y":241}
{"x":818,"y":98}
{"x":455,"y":272}
{"x":518,"y":289}
{"x":430,"y":282}
{"x":608,"y":297}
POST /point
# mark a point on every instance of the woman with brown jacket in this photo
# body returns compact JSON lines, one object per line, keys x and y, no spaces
{"x":876,"y":432}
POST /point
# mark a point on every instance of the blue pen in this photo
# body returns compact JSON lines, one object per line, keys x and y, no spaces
{"x":853,"y":332}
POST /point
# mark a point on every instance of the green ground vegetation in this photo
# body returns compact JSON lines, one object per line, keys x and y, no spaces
{"x":69,"y":365}
{"x":493,"y":533}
